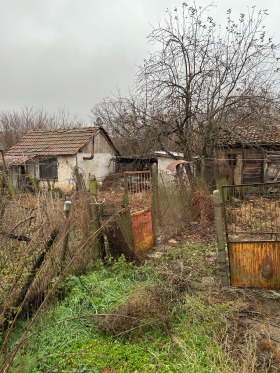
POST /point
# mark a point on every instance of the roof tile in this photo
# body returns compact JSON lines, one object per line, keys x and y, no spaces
{"x":53,"y":143}
{"x":250,"y":135}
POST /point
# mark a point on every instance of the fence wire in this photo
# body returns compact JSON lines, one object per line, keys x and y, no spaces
{"x":252,"y":212}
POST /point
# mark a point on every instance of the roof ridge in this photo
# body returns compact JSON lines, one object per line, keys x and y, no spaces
{"x":63,"y":129}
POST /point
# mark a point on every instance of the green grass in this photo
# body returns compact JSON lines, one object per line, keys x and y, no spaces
{"x":67,"y":336}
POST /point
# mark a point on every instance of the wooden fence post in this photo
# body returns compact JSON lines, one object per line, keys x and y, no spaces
{"x":125,"y":196}
{"x":222,"y":259}
{"x":155,"y":200}
{"x":79,"y":180}
{"x":95,"y":216}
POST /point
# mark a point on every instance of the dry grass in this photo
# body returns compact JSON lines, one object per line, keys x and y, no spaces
{"x":174,"y":211}
{"x":255,"y":216}
{"x":31,"y":218}
{"x":178,"y":205}
{"x":182,"y":205}
{"x":143,"y":307}
{"x":36,"y":219}
{"x":202,"y":207}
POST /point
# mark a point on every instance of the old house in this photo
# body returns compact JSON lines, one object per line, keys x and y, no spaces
{"x":249,"y":154}
{"x":51,"y":157}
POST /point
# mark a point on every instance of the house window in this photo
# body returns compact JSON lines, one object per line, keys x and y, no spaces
{"x":48,"y":168}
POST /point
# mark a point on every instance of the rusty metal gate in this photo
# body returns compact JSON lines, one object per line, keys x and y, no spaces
{"x":139,"y":187}
{"x":252,"y":224}
{"x":128,"y":206}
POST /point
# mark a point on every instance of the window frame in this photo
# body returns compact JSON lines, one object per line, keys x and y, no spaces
{"x":48,"y":169}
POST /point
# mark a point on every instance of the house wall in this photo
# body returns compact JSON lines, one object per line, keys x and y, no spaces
{"x":14,"y":175}
{"x":166,"y":175}
{"x":100,"y":165}
{"x":272,"y":166}
{"x":249,"y":167}
{"x":228,"y":164}
{"x":253,"y":166}
{"x":102,"y":146}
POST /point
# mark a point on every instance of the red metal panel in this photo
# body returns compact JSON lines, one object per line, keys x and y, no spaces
{"x":255,"y":264}
{"x":142,"y":231}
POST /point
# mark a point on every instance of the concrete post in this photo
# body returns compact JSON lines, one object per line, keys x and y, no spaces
{"x":222,"y":258}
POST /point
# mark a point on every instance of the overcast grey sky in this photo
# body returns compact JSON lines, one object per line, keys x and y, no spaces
{"x":70,"y":53}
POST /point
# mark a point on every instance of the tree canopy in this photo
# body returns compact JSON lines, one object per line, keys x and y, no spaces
{"x":200,"y":78}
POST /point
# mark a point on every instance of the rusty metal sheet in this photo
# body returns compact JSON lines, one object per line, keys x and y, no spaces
{"x":142,"y":231}
{"x":255,"y":264}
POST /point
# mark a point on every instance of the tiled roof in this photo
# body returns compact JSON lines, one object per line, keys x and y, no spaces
{"x":250,"y":135}
{"x":54,"y":142}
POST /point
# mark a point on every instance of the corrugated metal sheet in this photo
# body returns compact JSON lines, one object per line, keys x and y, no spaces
{"x":255,"y":264}
{"x":142,"y":231}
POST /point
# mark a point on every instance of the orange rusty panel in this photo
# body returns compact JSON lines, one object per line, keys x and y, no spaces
{"x":255,"y":264}
{"x":142,"y":231}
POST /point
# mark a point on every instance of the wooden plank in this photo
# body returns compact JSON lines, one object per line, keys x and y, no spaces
{"x":255,"y":264}
{"x":251,"y":180}
{"x":252,"y":171}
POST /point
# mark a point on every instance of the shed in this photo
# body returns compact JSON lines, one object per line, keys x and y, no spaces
{"x":249,"y":154}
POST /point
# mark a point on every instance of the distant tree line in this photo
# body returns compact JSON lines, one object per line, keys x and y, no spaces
{"x":15,"y":124}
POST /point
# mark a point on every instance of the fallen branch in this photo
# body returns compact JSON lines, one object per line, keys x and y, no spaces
{"x":19,"y":237}
{"x":22,"y":221}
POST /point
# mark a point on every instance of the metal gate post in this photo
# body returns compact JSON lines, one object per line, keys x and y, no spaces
{"x":222,"y":259}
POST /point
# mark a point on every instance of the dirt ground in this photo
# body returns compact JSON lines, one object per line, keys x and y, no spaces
{"x":254,"y":332}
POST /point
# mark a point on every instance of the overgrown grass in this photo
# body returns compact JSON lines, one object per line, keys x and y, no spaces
{"x":70,"y":336}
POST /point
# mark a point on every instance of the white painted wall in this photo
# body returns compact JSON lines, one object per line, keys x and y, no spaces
{"x":13,"y":174}
{"x":164,"y":174}
{"x":101,"y":165}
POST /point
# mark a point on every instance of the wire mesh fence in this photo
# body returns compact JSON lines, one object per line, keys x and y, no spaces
{"x":174,"y":203}
{"x":252,"y":212}
{"x":123,"y":214}
{"x":39,"y":243}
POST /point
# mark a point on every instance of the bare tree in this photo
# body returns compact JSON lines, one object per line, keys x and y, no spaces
{"x":127,"y":121}
{"x":13,"y":124}
{"x":202,"y":75}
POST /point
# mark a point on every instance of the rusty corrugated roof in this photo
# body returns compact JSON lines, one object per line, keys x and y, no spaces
{"x":247,"y":135}
{"x":54,"y":142}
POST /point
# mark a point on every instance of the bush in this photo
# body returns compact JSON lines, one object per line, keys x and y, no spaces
{"x":144,"y":307}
